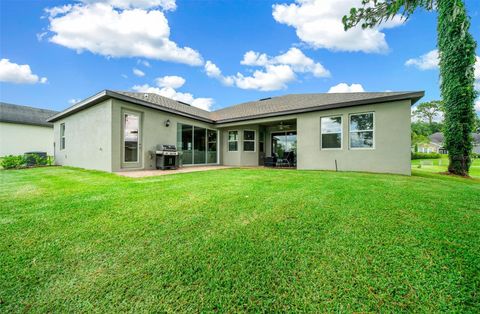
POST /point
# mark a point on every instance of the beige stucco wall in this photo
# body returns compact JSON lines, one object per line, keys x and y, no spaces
{"x":391,"y":153}
{"x":94,"y":138}
{"x":391,"y":136}
{"x":17,"y":139}
{"x":154,"y":131}
{"x":240,"y":157}
{"x":88,"y":138}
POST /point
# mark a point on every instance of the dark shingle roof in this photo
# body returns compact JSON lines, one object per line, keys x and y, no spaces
{"x":305,"y":102}
{"x":437,"y":138}
{"x":275,"y":106}
{"x":25,"y":115}
{"x":165,"y":102}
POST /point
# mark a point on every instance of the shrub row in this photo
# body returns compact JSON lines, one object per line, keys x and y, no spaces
{"x":24,"y":161}
{"x":425,"y":155}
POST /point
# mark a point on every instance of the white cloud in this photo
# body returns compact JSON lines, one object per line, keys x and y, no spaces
{"x":294,"y":57}
{"x":172,"y":81}
{"x":253,"y":58}
{"x":214,"y":71}
{"x":18,"y":73}
{"x":477,"y":106}
{"x":274,"y":77}
{"x":345,"y":88}
{"x":319,"y":24}
{"x":277,"y":71}
{"x":428,"y":61}
{"x":124,"y":76}
{"x":145,"y":63}
{"x":167,"y":85}
{"x":138,"y":72}
{"x":168,"y":5}
{"x":105,"y":30}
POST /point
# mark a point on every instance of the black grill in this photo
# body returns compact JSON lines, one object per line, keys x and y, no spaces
{"x":166,"y":157}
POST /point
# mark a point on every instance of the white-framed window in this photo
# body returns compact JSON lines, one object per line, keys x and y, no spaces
{"x":362,"y":130}
{"x":248,"y":141}
{"x":331,"y":132}
{"x":62,"y":135}
{"x":232,"y":141}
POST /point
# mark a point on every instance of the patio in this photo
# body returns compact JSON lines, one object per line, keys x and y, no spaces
{"x":151,"y":173}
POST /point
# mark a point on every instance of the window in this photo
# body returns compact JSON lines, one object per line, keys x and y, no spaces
{"x":62,"y":136}
{"x":331,"y":132}
{"x":232,"y":141}
{"x":248,"y":141}
{"x":361,"y":130}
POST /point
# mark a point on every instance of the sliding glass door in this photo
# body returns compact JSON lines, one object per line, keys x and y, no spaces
{"x":198,"y":145}
{"x":185,"y":144}
{"x":283,"y":142}
{"x":211,"y":146}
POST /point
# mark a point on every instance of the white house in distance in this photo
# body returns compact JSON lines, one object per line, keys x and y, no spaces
{"x":25,"y":129}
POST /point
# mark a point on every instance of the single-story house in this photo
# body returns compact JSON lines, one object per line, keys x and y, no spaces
{"x":25,"y":129}
{"x":117,"y":131}
{"x":436,"y":144}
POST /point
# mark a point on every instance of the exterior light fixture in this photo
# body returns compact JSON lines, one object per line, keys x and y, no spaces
{"x":167,"y":123}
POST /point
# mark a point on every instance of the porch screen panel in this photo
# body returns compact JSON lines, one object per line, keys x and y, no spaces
{"x":199,"y":145}
{"x":211,"y":146}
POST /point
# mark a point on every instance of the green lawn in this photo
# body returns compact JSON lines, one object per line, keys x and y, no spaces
{"x":238,"y":240}
{"x":440,"y":165}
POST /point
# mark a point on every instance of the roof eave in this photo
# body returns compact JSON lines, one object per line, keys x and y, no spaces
{"x":45,"y":125}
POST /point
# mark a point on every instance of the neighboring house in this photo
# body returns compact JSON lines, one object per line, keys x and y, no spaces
{"x":116,"y":131}
{"x":25,"y":129}
{"x":436,"y":144}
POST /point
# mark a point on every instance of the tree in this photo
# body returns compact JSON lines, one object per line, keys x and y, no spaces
{"x":423,"y":128}
{"x":476,"y":129}
{"x":456,"y":48}
{"x":428,"y":110}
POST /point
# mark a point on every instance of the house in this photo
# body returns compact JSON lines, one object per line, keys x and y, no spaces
{"x":25,"y":129}
{"x":436,"y":144}
{"x":118,"y":131}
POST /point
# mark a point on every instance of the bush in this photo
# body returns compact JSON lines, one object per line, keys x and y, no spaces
{"x":426,"y":156}
{"x":13,"y":162}
{"x":25,"y":161}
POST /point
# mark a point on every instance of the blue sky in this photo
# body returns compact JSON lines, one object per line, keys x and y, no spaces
{"x":56,"y":52}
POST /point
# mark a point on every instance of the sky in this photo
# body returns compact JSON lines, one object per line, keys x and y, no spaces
{"x":210,"y":53}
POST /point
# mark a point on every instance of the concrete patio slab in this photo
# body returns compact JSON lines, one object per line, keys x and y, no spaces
{"x":151,"y":173}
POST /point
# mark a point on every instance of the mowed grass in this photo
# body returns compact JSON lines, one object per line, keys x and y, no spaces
{"x":237,"y":240}
{"x":441,"y":165}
